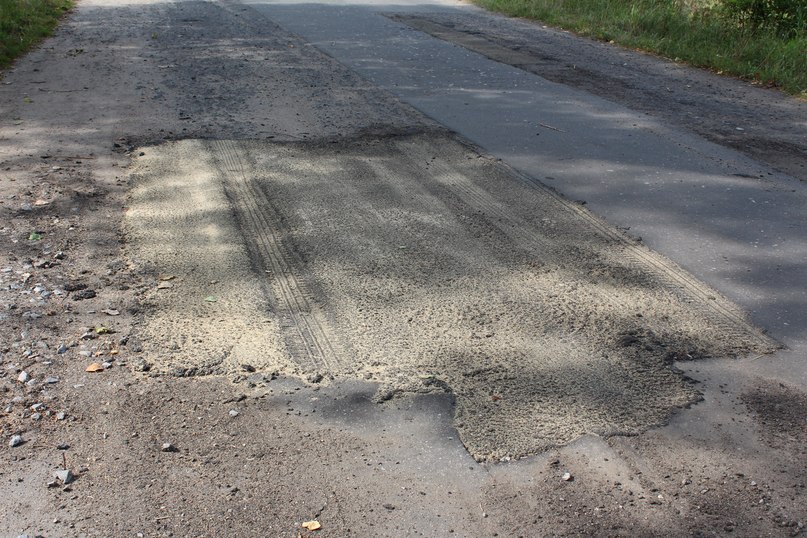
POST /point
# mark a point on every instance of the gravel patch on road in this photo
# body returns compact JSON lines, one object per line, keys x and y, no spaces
{"x":416,"y":262}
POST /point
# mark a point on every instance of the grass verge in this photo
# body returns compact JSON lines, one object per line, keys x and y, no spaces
{"x":694,"y":31}
{"x":23,"y":23}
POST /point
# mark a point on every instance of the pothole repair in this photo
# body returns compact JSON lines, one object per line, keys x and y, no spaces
{"x":416,"y":262}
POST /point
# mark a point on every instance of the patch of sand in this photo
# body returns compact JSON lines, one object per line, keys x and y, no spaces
{"x":419,"y":263}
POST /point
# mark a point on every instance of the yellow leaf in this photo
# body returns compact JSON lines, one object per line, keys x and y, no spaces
{"x":95,"y":367}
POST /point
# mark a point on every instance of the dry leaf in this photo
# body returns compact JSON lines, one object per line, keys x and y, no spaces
{"x":312,"y":525}
{"x":95,"y":367}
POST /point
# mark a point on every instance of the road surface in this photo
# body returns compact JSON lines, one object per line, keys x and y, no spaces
{"x":403,"y":269}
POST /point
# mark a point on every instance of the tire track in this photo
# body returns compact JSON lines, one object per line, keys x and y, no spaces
{"x":305,"y":336}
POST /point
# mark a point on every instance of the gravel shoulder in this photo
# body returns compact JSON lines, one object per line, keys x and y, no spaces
{"x":263,"y":451}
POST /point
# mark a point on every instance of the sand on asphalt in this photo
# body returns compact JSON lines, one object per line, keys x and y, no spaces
{"x":419,"y":263}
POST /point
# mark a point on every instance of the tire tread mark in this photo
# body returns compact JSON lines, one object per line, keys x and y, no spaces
{"x":305,"y":337}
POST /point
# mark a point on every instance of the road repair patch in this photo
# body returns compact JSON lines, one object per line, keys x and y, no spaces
{"x":418,"y":263}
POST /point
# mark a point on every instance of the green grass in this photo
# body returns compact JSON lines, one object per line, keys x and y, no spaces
{"x":704,"y":33}
{"x":23,"y":23}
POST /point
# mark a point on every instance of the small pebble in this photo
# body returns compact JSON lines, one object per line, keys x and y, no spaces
{"x":65,"y":475}
{"x":83,"y":294}
{"x":568,"y":477}
{"x":168,"y":447}
{"x":23,"y":377}
{"x":233,"y":413}
{"x":16,"y":440}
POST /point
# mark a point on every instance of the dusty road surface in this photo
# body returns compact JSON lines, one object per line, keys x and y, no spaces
{"x":402,"y":270}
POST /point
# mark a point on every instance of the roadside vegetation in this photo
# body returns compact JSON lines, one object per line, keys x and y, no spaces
{"x":763,"y":40}
{"x":23,"y":23}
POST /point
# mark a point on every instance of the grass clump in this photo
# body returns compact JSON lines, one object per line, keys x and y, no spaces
{"x":764,"y":40}
{"x":23,"y":23}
